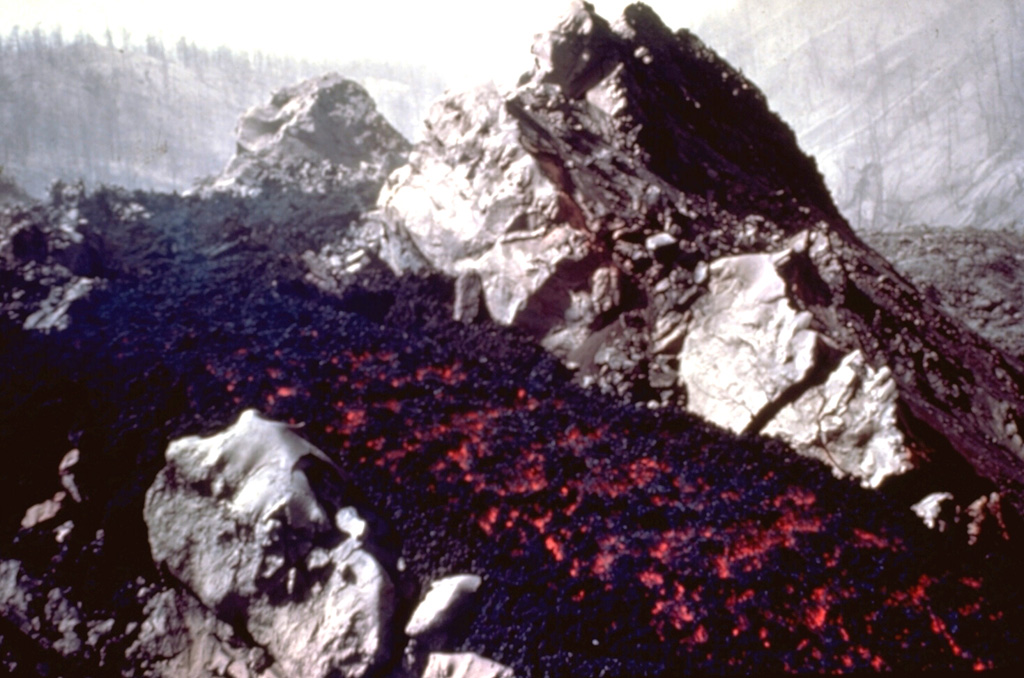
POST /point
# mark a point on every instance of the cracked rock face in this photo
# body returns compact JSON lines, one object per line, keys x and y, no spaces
{"x":751,"y":363}
{"x":321,"y":133}
{"x":473,"y":200}
{"x":235,"y":519}
{"x":746,"y":345}
{"x":848,"y":422}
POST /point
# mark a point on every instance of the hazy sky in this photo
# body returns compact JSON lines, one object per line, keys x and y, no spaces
{"x":465,"y":39}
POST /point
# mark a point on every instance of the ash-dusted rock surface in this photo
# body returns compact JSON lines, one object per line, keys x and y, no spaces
{"x":235,"y":519}
{"x":464,"y":665}
{"x":321,"y":133}
{"x":440,"y":603}
{"x":746,"y":344}
{"x":599,"y":201}
{"x":47,"y":268}
{"x":179,"y":636}
{"x":849,"y":422}
{"x":496,"y":215}
{"x":751,"y":363}
{"x":973,"y":273}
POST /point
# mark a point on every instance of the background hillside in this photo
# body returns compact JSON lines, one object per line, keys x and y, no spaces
{"x":147,"y":115}
{"x":914,"y":111}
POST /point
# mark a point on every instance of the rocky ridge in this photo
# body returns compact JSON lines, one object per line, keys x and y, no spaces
{"x":603,"y":204}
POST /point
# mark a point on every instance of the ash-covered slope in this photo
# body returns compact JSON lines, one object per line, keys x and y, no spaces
{"x":974,"y":273}
{"x":599,"y":207}
{"x":913,"y":111}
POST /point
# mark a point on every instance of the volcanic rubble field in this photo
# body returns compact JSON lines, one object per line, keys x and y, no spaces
{"x":610,"y":537}
{"x":614,"y":532}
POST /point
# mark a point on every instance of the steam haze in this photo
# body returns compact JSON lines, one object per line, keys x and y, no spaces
{"x":464,"y":40}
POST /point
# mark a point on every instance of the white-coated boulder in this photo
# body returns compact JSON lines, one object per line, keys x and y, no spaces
{"x":472,"y":199}
{"x":234,"y":517}
{"x":849,"y":422}
{"x":750,"y":362}
{"x":746,"y":343}
{"x":464,"y":665}
{"x":443,"y":595}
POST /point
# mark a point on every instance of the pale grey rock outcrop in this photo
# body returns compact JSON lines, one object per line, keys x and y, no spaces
{"x":746,"y":344}
{"x":234,"y":518}
{"x":464,"y":665}
{"x":320,"y":133}
{"x":751,"y":363}
{"x":439,"y":603}
{"x":473,"y":200}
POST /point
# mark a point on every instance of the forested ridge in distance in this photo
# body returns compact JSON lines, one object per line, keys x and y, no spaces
{"x":152,"y":116}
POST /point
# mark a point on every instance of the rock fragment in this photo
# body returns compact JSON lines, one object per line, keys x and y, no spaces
{"x":317,"y":133}
{"x":464,"y":665}
{"x":929,"y":508}
{"x":441,"y":601}
{"x":235,"y":519}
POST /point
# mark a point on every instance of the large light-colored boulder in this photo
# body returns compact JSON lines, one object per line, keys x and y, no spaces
{"x":475,"y":201}
{"x":234,"y":517}
{"x":746,"y":344}
{"x":751,"y":363}
{"x":319,"y":132}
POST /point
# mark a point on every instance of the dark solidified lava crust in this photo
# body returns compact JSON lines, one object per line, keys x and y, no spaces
{"x":612,"y":540}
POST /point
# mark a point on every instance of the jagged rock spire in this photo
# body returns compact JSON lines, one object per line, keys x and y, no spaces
{"x":590,"y":198}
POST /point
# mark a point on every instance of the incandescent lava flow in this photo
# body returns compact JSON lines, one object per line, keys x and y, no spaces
{"x":610,"y":538}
